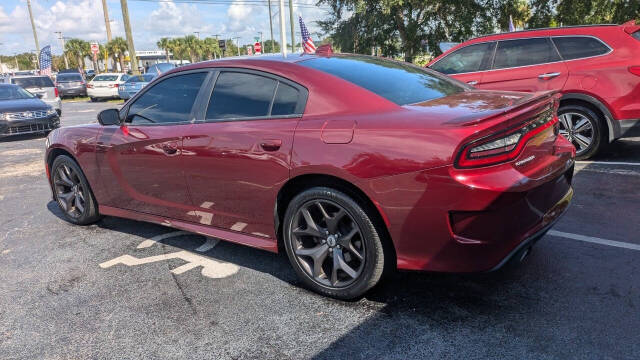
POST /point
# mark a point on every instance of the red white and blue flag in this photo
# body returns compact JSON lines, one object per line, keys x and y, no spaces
{"x":307,"y":42}
{"x":45,"y":60}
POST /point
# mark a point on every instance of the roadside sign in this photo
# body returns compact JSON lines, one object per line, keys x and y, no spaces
{"x":249,"y":50}
{"x":95,"y":48}
{"x":257,"y":47}
{"x":222,"y":44}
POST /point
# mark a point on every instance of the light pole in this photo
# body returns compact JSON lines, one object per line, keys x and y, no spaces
{"x":271,"y":27}
{"x":238,"y":44}
{"x":197,"y":32}
{"x":293,"y":36}
{"x":106,"y":19}
{"x":127,"y":30}
{"x":64,"y":54}
{"x":283,"y":33}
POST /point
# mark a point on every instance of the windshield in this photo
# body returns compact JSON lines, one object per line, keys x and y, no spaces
{"x":398,"y":82}
{"x":31,"y":82}
{"x":68,"y":77}
{"x":106,"y":78}
{"x":14,"y":93}
{"x":160,"y":68}
{"x":140,"y":78}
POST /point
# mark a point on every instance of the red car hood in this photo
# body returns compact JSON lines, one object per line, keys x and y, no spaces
{"x":471,"y":107}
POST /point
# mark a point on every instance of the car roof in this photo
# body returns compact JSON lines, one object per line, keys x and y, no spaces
{"x":516,"y":34}
{"x":28,"y":76}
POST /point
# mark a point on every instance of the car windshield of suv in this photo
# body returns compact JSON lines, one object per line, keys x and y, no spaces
{"x":106,"y":78}
{"x":400,"y":83}
{"x":140,"y":78}
{"x":32,"y":82}
{"x":69,"y":77}
{"x":14,"y":93}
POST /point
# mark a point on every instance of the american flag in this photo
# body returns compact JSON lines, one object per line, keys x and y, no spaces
{"x":307,"y":42}
{"x":45,"y":60}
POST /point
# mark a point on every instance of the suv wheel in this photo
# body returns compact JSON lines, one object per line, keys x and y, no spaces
{"x":583,"y":128}
{"x":332,"y":243}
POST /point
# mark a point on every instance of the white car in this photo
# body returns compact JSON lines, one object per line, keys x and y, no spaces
{"x":105,"y":86}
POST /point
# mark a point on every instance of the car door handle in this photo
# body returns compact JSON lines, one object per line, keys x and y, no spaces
{"x":271,"y":145}
{"x":472,"y":82}
{"x":170,"y":148}
{"x":548,"y":76}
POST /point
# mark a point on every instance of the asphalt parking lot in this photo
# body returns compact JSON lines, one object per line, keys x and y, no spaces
{"x":125,"y":290}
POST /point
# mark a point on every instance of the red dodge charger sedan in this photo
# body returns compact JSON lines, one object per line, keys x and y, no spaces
{"x":355,"y":165}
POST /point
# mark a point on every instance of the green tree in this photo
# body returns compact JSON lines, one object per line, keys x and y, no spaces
{"x":164,"y":44}
{"x":270,"y":47}
{"x":193,"y":47}
{"x":78,"y":49}
{"x":117,"y":47}
{"x":210,"y":48}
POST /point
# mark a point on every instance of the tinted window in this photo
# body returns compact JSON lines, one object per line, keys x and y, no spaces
{"x":286,"y":100}
{"x":106,"y":78}
{"x":468,"y":59}
{"x":13,"y":92}
{"x":141,"y":78}
{"x":523,"y":52}
{"x":395,"y":81}
{"x":160,"y":68}
{"x":42,"y":81}
{"x":68,"y":77}
{"x":168,"y":101}
{"x":579,"y":47}
{"x":238,"y":95}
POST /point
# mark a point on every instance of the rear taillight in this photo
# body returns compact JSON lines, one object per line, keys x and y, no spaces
{"x":56,"y":90}
{"x":113,"y":85}
{"x":635,"y":70}
{"x":89,"y":86}
{"x":506,"y":145}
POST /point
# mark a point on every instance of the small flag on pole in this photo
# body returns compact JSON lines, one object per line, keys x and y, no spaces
{"x":307,"y":42}
{"x":45,"y":60}
{"x":511,"y":27}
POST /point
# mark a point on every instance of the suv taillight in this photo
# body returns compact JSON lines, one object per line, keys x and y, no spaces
{"x":56,"y":90}
{"x":506,"y":145}
{"x":635,"y":70}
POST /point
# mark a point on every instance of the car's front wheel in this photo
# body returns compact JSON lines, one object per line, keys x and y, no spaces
{"x":72,"y":192}
{"x":332,"y":243}
{"x":583,"y":128}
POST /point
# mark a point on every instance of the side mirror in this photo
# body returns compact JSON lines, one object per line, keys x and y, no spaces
{"x":109,"y":117}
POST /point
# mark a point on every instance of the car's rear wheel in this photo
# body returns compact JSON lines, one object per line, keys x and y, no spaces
{"x":583,"y":128}
{"x":93,"y":99}
{"x":72,"y":192}
{"x":332,"y":243}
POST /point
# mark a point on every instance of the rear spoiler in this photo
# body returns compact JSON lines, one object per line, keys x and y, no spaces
{"x":630,"y":27}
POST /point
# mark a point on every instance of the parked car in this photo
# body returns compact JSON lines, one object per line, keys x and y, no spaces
{"x":41,"y":86}
{"x":90,"y":74}
{"x":105,"y":86}
{"x":22,"y":112}
{"x":160,"y":68}
{"x":134,"y":84}
{"x":352,"y":164}
{"x":71,"y":84}
{"x":597,"y":69}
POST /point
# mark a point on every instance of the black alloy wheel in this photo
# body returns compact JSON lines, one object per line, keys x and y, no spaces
{"x":332,"y":243}
{"x":72,"y":192}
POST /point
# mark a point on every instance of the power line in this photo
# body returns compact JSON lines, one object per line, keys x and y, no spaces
{"x":231,"y":2}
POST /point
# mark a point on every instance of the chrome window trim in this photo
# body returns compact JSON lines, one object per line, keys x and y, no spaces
{"x":550,"y":37}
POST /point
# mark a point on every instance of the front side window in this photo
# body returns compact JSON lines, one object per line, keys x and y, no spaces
{"x":524,"y":52}
{"x":470,"y":58}
{"x":14,"y":93}
{"x":169,"y":101}
{"x":576,"y":47}
{"x":240,"y":95}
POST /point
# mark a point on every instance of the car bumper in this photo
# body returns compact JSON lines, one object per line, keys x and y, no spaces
{"x":30,"y":126}
{"x":54,"y":103}
{"x":103,"y":92}
{"x":72,"y":91}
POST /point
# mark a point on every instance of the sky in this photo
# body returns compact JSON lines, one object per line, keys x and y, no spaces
{"x":150,"y":20}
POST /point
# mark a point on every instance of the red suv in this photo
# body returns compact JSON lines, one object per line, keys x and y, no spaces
{"x":597,"y":69}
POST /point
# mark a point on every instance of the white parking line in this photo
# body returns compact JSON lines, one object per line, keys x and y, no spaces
{"x":586,"y":162}
{"x":595,"y":240}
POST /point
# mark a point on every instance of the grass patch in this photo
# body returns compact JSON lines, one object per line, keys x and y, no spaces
{"x":86,"y":99}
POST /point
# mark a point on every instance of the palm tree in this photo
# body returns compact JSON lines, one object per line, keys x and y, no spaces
{"x":178,"y":48}
{"x":210,"y":47}
{"x":164,"y":44}
{"x":191,"y":44}
{"x":117,"y":47}
{"x":78,"y":49}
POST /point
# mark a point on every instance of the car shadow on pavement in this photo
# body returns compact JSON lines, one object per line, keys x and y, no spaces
{"x":16,"y":138}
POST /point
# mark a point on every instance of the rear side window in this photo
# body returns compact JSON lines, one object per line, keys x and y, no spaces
{"x":636,"y":35}
{"x":239,"y":95}
{"x":470,"y":58}
{"x":285,"y":101}
{"x":395,"y":81}
{"x":106,"y":78}
{"x":524,"y":52}
{"x":32,"y":82}
{"x":68,"y":77}
{"x":169,"y":101}
{"x":576,"y":47}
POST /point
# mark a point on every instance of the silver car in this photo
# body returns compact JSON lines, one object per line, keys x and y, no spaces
{"x":41,"y":86}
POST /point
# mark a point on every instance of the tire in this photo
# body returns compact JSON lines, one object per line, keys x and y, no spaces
{"x":573,"y":116}
{"x":344,"y":233}
{"x":93,"y":99}
{"x":78,"y":203}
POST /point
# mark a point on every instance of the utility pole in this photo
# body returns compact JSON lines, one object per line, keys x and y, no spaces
{"x":238,"y":44}
{"x":293,"y":35}
{"x":283,"y":35}
{"x":106,"y":19}
{"x":1,"y":61}
{"x":64,"y":54}
{"x":261,"y":44}
{"x":216,"y":35}
{"x":127,"y":31}
{"x":271,"y":27}
{"x":35,"y":35}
